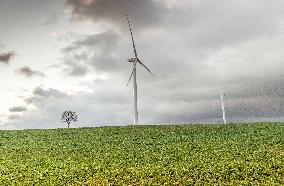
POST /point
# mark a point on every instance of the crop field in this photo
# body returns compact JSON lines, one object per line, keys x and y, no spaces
{"x":230,"y":154}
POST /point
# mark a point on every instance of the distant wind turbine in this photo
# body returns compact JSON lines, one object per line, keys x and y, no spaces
{"x":223,"y":107}
{"x":133,"y":74}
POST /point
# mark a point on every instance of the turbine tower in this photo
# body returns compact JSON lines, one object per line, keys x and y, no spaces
{"x":223,"y":107}
{"x":133,"y":74}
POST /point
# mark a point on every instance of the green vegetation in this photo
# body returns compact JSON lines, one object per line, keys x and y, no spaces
{"x":145,"y":155}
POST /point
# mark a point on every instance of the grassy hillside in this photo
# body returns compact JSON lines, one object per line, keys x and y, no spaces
{"x":144,"y":155}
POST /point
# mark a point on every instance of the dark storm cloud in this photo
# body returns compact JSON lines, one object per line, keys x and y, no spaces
{"x":146,"y":12}
{"x":18,"y":109}
{"x":200,"y":23}
{"x":195,"y":48}
{"x":6,"y":57}
{"x":28,"y":72}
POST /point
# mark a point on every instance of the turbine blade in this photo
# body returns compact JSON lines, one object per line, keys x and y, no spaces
{"x":130,"y":77}
{"x":134,"y":66}
{"x":132,"y":38}
{"x":145,"y":67}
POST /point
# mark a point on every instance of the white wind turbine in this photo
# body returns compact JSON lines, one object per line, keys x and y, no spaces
{"x":223,"y":107}
{"x":134,"y":61}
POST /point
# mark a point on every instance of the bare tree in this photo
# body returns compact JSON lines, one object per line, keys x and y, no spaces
{"x":68,"y":117}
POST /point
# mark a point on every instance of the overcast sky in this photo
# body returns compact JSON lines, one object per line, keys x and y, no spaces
{"x":71,"y":55}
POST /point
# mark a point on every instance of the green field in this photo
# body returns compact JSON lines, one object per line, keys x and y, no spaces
{"x":145,"y":155}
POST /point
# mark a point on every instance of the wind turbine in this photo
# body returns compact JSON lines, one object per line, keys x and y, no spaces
{"x":223,"y":107}
{"x":133,"y":73}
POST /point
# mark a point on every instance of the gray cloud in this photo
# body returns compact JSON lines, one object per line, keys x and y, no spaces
{"x":98,"y":51}
{"x":146,"y":13}
{"x":199,"y":23}
{"x":75,"y":69}
{"x":6,"y":57}
{"x":18,"y":109}
{"x":14,"y":117}
{"x":1,"y":46}
{"x":74,"y":63}
{"x":28,"y":72}
{"x":52,"y":19}
{"x":49,"y":92}
{"x":40,"y":93}
{"x":228,"y":22}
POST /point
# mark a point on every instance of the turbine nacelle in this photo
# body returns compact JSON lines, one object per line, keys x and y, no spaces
{"x":223,"y":92}
{"x":134,"y":61}
{"x":131,"y":60}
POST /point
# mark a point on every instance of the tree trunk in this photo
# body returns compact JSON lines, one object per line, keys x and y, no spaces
{"x":68,"y":125}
